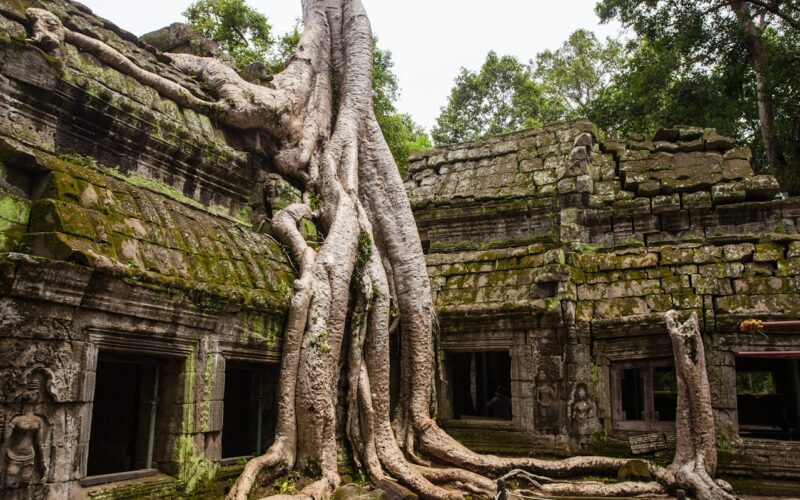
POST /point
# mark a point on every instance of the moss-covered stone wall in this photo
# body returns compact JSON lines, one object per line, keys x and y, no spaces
{"x":624,"y":230}
{"x":128,"y":226}
{"x":84,"y":215}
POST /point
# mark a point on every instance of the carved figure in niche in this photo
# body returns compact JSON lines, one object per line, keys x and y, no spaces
{"x":546,"y":392}
{"x":581,"y":409}
{"x":23,"y":457}
{"x":549,"y":412}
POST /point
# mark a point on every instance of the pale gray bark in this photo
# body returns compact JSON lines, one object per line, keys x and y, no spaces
{"x":695,"y":459}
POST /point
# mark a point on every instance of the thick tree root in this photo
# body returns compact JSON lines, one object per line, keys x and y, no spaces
{"x":369,"y":280}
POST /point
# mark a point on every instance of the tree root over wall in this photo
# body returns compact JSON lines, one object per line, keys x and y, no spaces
{"x":319,"y":110}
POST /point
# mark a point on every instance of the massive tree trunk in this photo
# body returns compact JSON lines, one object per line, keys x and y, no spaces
{"x":695,"y":459}
{"x":766,"y":111}
{"x":368,"y":274}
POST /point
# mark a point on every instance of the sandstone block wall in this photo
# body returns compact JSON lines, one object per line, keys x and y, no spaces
{"x":565,"y":248}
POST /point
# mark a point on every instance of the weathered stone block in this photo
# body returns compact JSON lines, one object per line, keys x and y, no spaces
{"x":675,"y":284}
{"x":690,"y":133}
{"x":628,"y":155}
{"x":759,"y":269}
{"x":666,"y":147}
{"x":649,"y":188}
{"x":736,"y":169}
{"x":617,"y":308}
{"x":716,"y":142}
{"x":789,"y":267}
{"x":606,"y":189}
{"x":696,"y":200}
{"x":722,"y":270}
{"x":666,"y":203}
{"x":646,"y":223}
{"x":707,"y":254}
{"x":659,"y":303}
{"x":741,"y":252}
{"x":768,"y":252}
{"x":671,"y":256}
{"x":738,"y":154}
{"x":667,"y":135}
{"x":728,"y":193}
{"x":711,"y":286}
{"x":625,"y":195}
{"x":687,"y":300}
{"x":761,"y":187}
{"x":793,"y":250}
{"x":633,"y":288}
{"x":568,"y":185}
{"x":584,"y":184}
{"x":531,"y":164}
{"x":673,"y":222}
{"x":765,"y":285}
{"x":640,"y":145}
{"x":691,"y":146}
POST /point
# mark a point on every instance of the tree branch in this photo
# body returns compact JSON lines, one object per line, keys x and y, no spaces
{"x":771,"y":8}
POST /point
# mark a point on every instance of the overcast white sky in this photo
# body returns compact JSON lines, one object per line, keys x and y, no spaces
{"x":429,"y":39}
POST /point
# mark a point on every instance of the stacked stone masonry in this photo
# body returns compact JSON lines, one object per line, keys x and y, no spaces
{"x":564,"y":248}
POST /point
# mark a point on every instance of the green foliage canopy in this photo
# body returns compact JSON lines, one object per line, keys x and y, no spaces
{"x":501,"y":97}
{"x":402,"y":134}
{"x":574,"y":75}
{"x":241,"y":31}
{"x":690,"y":63}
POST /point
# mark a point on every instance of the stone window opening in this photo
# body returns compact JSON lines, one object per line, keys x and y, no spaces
{"x":126,"y":410}
{"x":644,"y":395}
{"x":768,"y":397}
{"x":250,"y":410}
{"x":480,"y":383}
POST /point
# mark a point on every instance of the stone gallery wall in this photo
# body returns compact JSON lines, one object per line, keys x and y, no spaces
{"x":132,"y":234}
{"x":565,"y":248}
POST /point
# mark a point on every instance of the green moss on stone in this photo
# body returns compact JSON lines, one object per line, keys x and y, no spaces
{"x":196,"y":471}
{"x":13,"y":209}
{"x":14,"y":216}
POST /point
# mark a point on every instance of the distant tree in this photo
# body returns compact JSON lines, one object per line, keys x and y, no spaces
{"x":501,"y":97}
{"x":706,"y":41}
{"x":656,"y":87}
{"x":403,"y":135}
{"x":284,"y":48}
{"x":578,"y":72}
{"x":241,"y":31}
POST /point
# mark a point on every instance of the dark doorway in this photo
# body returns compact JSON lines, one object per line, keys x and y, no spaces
{"x":633,"y":394}
{"x":768,"y":397}
{"x":481,"y":384}
{"x":250,"y":410}
{"x":124,"y":406}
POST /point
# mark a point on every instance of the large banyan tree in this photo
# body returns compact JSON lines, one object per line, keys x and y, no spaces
{"x":368,"y":280}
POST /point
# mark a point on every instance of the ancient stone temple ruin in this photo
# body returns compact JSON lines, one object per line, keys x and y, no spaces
{"x":553,"y":255}
{"x":143,"y":295}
